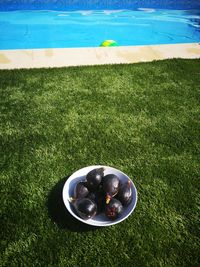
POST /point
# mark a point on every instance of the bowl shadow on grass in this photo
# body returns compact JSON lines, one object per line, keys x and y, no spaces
{"x":59,"y":213}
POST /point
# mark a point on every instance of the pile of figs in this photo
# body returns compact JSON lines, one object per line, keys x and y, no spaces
{"x":100,"y":193}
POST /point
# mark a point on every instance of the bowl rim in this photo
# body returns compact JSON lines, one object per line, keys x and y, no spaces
{"x":67,"y":202}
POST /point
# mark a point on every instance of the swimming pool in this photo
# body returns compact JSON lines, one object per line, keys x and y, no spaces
{"x":26,"y":29}
{"x":6,"y":5}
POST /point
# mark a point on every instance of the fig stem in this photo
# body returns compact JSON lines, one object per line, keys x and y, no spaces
{"x":71,"y":199}
{"x":108,"y":198}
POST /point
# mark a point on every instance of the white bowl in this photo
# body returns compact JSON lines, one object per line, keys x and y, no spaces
{"x":100,"y":219}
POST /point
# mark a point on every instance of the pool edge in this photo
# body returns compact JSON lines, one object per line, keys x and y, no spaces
{"x":65,"y":57}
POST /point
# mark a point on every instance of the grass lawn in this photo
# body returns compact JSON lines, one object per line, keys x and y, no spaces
{"x":143,"y":119}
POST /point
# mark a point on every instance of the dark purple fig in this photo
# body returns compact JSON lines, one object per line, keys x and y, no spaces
{"x":98,"y":197}
{"x":125,"y":194}
{"x":113,"y":209}
{"x":80,"y":190}
{"x":110,"y":186}
{"x":85,"y":207}
{"x":93,"y":178}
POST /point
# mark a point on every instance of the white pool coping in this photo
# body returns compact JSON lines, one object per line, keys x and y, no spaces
{"x":64,"y":57}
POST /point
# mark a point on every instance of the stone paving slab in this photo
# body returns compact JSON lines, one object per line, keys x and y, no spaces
{"x":63,"y":57}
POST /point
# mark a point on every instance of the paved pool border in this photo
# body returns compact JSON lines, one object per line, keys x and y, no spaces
{"x":64,"y":57}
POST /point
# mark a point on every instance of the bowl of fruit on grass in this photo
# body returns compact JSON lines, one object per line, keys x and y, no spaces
{"x":99,"y":195}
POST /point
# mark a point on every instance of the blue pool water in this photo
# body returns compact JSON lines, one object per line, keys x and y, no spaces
{"x":6,"y":5}
{"x":87,"y":28}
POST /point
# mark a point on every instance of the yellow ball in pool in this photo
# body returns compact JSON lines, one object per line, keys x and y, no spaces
{"x":109,"y":43}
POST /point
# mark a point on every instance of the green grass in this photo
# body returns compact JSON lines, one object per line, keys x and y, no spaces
{"x":143,"y":119}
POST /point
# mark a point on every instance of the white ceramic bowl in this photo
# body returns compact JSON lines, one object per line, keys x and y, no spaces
{"x":100,"y":219}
